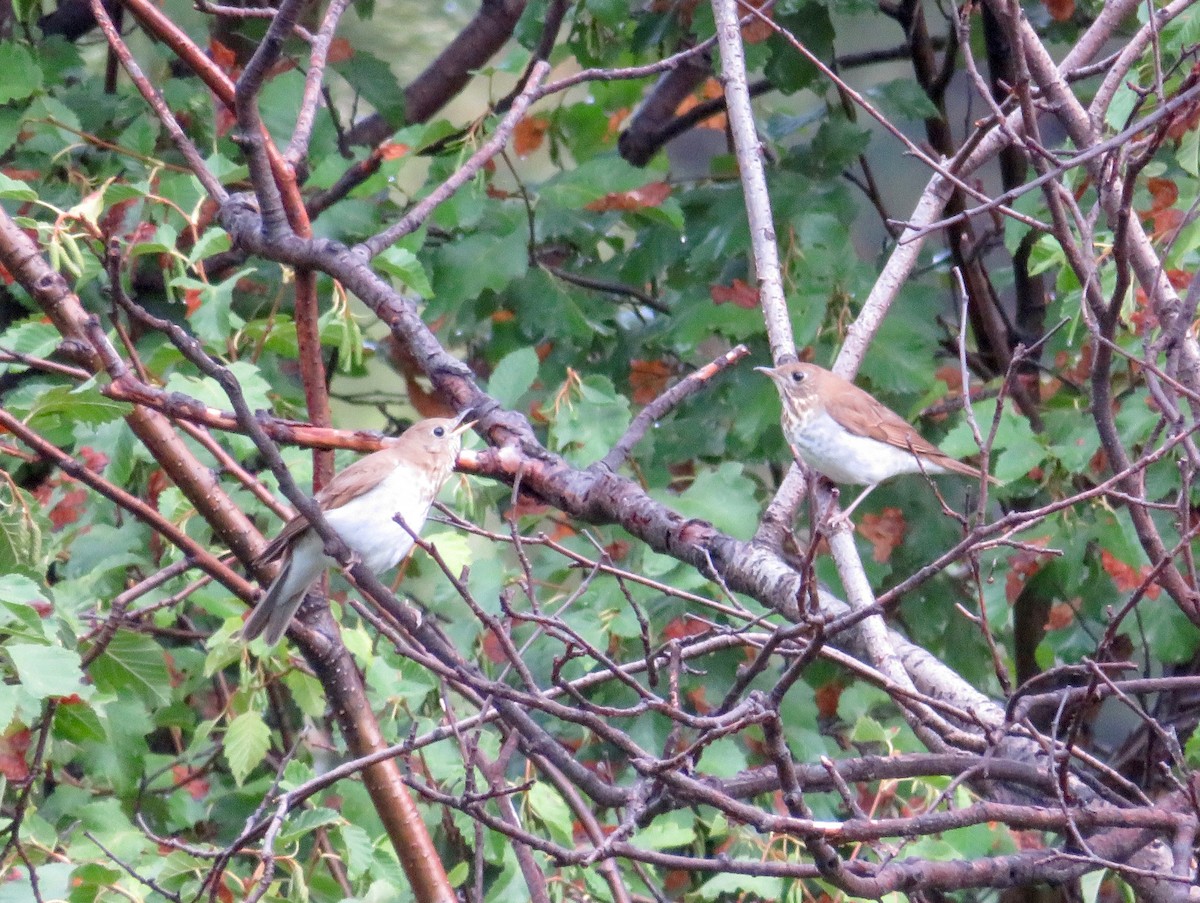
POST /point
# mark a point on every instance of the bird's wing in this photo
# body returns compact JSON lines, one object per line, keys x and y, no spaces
{"x":357,"y":479}
{"x":862,"y":415}
{"x":277,"y":546}
{"x":346,"y":485}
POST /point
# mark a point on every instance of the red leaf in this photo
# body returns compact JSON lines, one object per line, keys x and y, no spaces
{"x":223,"y":56}
{"x":1125,"y":576}
{"x":196,"y":787}
{"x":680,"y":628}
{"x":884,"y":531}
{"x":827,"y":698}
{"x":1022,"y":566}
{"x":1062,"y":614}
{"x":12,"y":755}
{"x":650,"y":195}
{"x":648,"y":379}
{"x":340,"y":50}
{"x":737,"y":293}
{"x":529,"y":133}
{"x":1060,"y":10}
{"x":191,"y":298}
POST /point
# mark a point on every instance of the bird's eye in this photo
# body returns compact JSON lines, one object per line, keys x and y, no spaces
{"x":439,"y":431}
{"x":797,"y":377}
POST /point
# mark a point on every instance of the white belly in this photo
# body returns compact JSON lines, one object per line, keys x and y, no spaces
{"x":855,"y":460}
{"x":367,"y":525}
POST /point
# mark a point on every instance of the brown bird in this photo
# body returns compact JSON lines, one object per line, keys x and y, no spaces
{"x":840,"y":431}
{"x":360,"y":503}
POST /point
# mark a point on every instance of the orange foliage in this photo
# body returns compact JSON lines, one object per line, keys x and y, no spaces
{"x":827,"y":698}
{"x":648,"y":379}
{"x":737,"y":293}
{"x":1125,"y":576}
{"x":12,"y":755}
{"x":884,"y":531}
{"x":649,"y":195}
{"x":340,"y":50}
{"x":1061,"y":615}
{"x":528,"y":135}
{"x":1060,"y":10}
{"x":756,"y":30}
{"x":393,"y":150}
{"x":1022,"y":566}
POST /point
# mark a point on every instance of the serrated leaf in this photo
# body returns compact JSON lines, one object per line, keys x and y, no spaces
{"x":375,"y":81}
{"x":212,"y":241}
{"x":904,"y":98}
{"x":666,"y":832}
{"x":307,"y":692}
{"x":724,"y":496}
{"x":308,"y":821}
{"x":15,"y":189}
{"x":247,"y":740}
{"x":78,"y":723}
{"x":20,"y":531}
{"x":737,"y":887}
{"x":133,"y":664}
{"x":586,"y":428}
{"x":359,"y":850}
{"x":22,"y":76}
{"x":84,"y":404}
{"x":32,"y":337}
{"x":405,"y":266}
{"x":513,"y":376}
{"x":48,"y":671}
{"x":548,"y":805}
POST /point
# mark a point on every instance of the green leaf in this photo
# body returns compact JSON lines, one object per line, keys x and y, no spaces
{"x":1188,"y":155}
{"x":666,"y":832}
{"x":213,"y":318}
{"x":406,"y":267}
{"x":83,"y":404}
{"x":374,"y":80}
{"x":466,"y":268}
{"x":15,"y":189}
{"x":22,"y":75}
{"x":590,"y":181}
{"x":513,"y":376}
{"x":548,"y":805}
{"x":247,"y":740}
{"x":21,"y":531}
{"x":308,"y":821}
{"x":729,"y":886}
{"x":211,"y":241}
{"x":307,"y":692}
{"x":47,"y":671}
{"x":78,"y":723}
{"x":32,"y":337}
{"x":903,"y":97}
{"x":585,"y":429}
{"x":132,"y":663}
{"x":359,"y":850}
{"x":725,"y":497}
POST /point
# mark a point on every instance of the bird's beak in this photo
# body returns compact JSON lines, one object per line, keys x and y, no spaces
{"x":463,"y":427}
{"x":769,"y":371}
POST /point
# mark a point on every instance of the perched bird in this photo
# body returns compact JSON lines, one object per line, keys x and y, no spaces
{"x":840,"y":431}
{"x":360,"y":503}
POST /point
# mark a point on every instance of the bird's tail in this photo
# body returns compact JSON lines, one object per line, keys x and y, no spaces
{"x":274,"y":611}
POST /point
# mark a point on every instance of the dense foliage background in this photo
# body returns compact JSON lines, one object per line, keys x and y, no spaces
{"x":634,"y":658}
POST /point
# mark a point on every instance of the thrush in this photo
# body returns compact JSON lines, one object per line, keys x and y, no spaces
{"x":841,"y":431}
{"x":360,"y":503}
